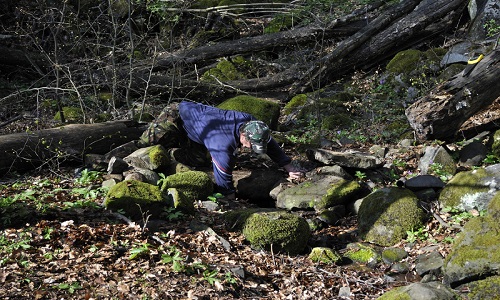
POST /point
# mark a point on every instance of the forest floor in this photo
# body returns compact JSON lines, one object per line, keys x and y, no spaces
{"x":57,"y":242}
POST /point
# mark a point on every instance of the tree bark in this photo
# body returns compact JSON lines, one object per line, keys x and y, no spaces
{"x":383,"y":37}
{"x":344,"y":26}
{"x":26,"y":151}
{"x":441,"y":113}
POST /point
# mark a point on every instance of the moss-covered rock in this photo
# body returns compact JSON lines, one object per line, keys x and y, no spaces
{"x":467,"y":190}
{"x":264,"y":110}
{"x":323,"y":193}
{"x":484,"y":289}
{"x":324,"y":255}
{"x":277,"y":231}
{"x":361,"y":253}
{"x":136,"y":198}
{"x":179,"y":200}
{"x":195,"y":185}
{"x":404,"y":61}
{"x":71,"y":114}
{"x":296,"y":102}
{"x":475,"y":253}
{"x":392,"y":255}
{"x":430,"y":291}
{"x":387,"y":214}
{"x":224,"y":71}
{"x":495,"y":146}
{"x":150,"y":158}
{"x":235,"y":220}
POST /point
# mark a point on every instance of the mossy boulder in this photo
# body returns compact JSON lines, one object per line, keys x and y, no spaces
{"x":361,"y":253}
{"x":235,"y":220}
{"x":264,"y":110}
{"x":393,"y":255}
{"x":404,"y":61}
{"x":296,"y":102}
{"x":195,"y":185}
{"x":475,"y":253}
{"x":495,"y":146}
{"x":71,"y":114}
{"x":179,"y":200}
{"x":387,"y":214}
{"x":150,"y":158}
{"x":137,"y":199}
{"x":470,"y":189}
{"x":484,"y":289}
{"x":321,"y":194}
{"x":324,"y":255}
{"x":277,"y":231}
{"x":224,"y":71}
{"x":429,"y":291}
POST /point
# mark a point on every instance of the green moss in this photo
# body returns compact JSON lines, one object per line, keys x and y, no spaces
{"x":484,"y":289}
{"x":360,"y":253}
{"x":297,"y":101}
{"x":277,"y":231}
{"x":264,"y":110}
{"x":236,"y":219}
{"x":395,"y":294}
{"x":495,"y":147}
{"x":494,"y":206}
{"x":158,"y":156}
{"x":71,"y":114}
{"x":387,"y":214}
{"x":339,"y":193}
{"x":333,"y":122}
{"x":195,"y":185}
{"x":392,"y":255}
{"x":224,"y":71}
{"x":461,"y":186}
{"x":179,"y":200}
{"x":135,"y":198}
{"x":479,"y":241}
{"x":404,"y":61}
{"x":279,"y":23}
{"x":324,"y":255}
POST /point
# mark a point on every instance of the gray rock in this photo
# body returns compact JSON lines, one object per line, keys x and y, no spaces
{"x":333,"y":215}
{"x":429,"y":263}
{"x":420,"y":291}
{"x":356,"y":160}
{"x":122,"y":151}
{"x":475,"y":252}
{"x":151,"y":158}
{"x":117,"y":165}
{"x":392,"y":255}
{"x":437,"y":155}
{"x":257,"y":185}
{"x":320,"y":194}
{"x":473,"y":154}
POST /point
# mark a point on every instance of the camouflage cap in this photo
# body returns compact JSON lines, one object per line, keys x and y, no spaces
{"x":258,"y":134}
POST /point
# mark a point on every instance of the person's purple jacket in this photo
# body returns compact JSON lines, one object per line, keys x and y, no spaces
{"x":218,"y":130}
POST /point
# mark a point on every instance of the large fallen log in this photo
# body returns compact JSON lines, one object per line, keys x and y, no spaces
{"x":398,"y":28}
{"x":29,"y":150}
{"x":441,"y":113}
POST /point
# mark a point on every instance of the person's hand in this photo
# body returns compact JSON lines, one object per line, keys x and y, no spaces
{"x":293,"y":172}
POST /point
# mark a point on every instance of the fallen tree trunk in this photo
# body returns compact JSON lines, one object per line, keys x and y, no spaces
{"x":29,"y":150}
{"x":441,"y":113}
{"x":346,"y":25}
{"x":383,"y":37}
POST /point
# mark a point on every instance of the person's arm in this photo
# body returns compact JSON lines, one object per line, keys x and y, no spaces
{"x":277,"y":154}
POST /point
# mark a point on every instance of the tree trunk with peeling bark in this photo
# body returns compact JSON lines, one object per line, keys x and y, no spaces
{"x":441,"y":113}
